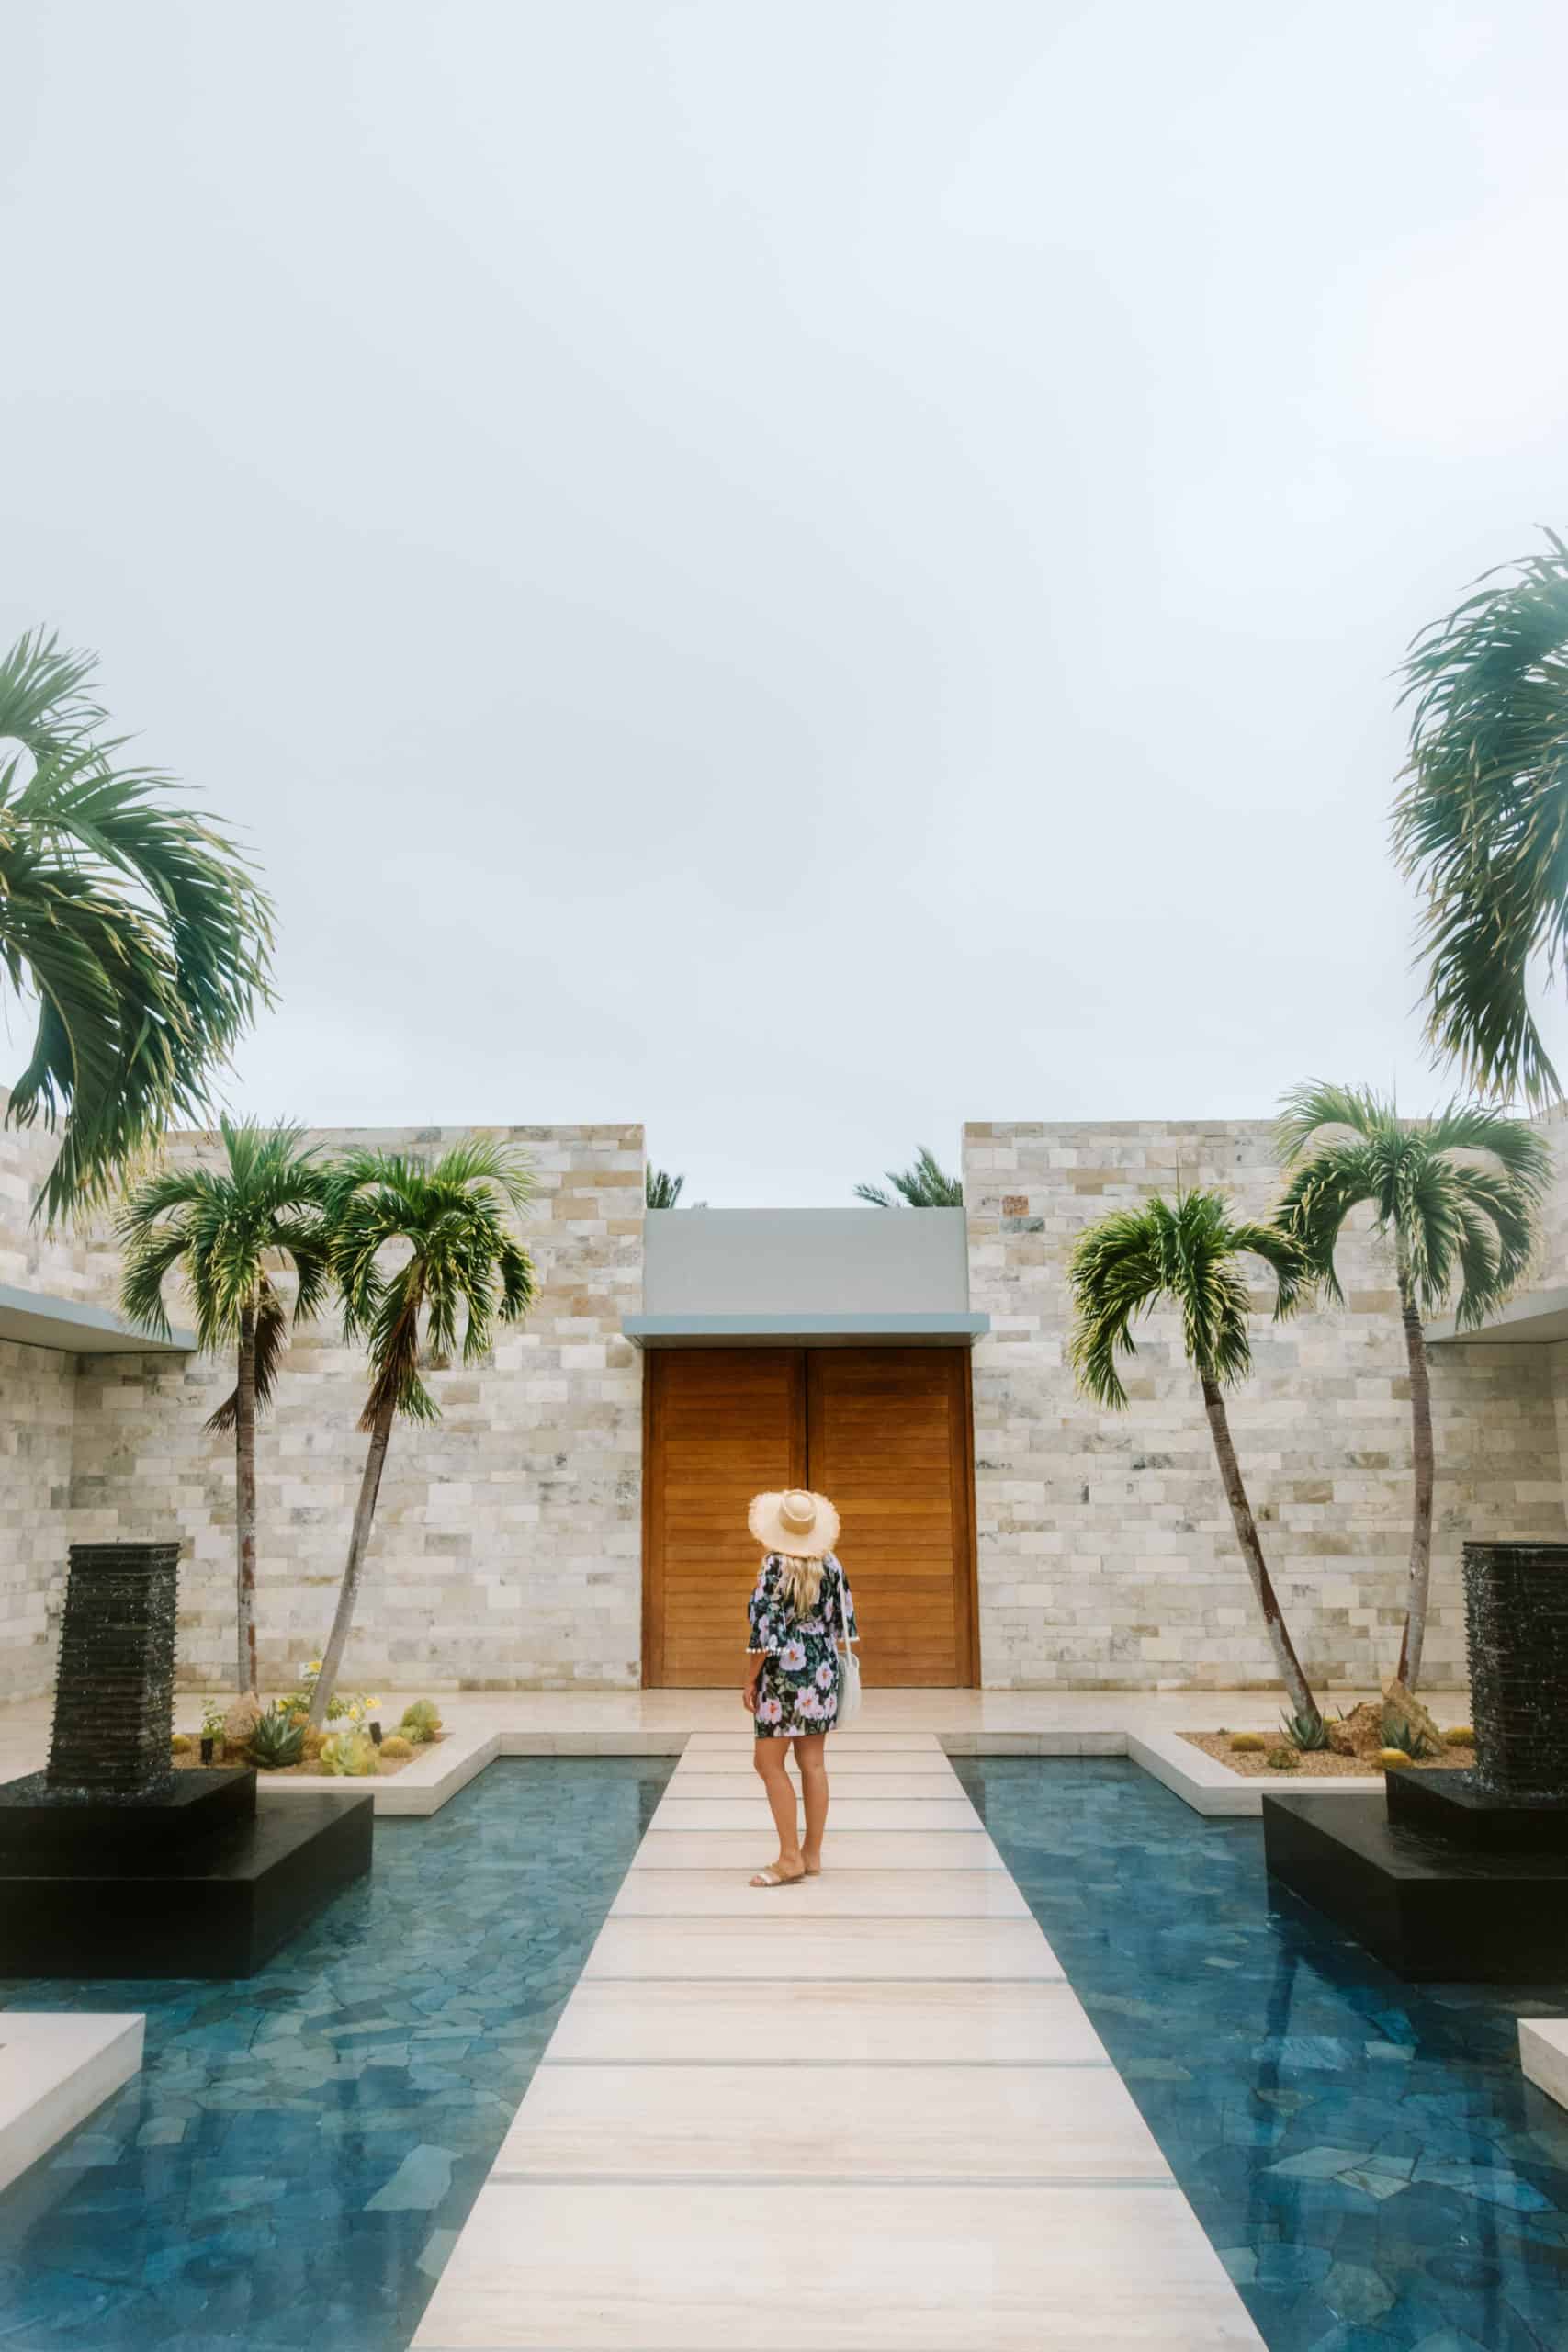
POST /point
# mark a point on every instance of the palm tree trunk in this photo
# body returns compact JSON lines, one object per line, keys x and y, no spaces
{"x":1289,"y":1666}
{"x":1421,"y":1514}
{"x":358,"y":1544}
{"x":245,"y":1502}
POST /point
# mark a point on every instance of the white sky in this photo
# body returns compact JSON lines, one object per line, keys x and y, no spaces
{"x":800,"y":573}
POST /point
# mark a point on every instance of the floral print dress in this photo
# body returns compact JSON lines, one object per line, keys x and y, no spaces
{"x":797,"y":1691}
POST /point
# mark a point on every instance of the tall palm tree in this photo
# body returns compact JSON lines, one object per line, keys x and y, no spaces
{"x":1482,"y":817}
{"x":1185,"y":1252}
{"x":227,"y":1231}
{"x":449,"y":1221}
{"x":137,"y":925}
{"x":662,"y":1190}
{"x":1456,"y":1199}
{"x":923,"y":1187}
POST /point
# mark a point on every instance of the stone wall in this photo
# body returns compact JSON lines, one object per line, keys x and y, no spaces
{"x":1106,"y":1554}
{"x":508,"y":1536}
{"x":37,"y":1401}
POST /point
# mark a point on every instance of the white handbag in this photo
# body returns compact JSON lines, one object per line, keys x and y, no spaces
{"x":848,"y":1665}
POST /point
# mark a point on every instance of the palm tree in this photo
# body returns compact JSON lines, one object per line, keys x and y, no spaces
{"x":1456,"y":1198}
{"x":1185,"y":1252}
{"x":226,"y":1229}
{"x":137,"y":925}
{"x":663,"y":1189}
{"x":923,"y":1187}
{"x":1483,"y":818}
{"x":451,"y":1222}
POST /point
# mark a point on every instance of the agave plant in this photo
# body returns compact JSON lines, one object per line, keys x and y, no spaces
{"x":277,"y":1741}
{"x":1307,"y":1733}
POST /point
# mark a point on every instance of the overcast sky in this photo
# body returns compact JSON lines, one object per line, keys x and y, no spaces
{"x":798,"y":573}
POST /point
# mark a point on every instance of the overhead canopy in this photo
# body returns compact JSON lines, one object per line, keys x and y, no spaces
{"x":30,"y":1319}
{"x":1534,"y":1319}
{"x":728,"y":1277}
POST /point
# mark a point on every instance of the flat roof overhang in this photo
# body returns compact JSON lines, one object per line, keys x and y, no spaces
{"x":31,"y":1318}
{"x":1537,"y":1318}
{"x":828,"y":1331}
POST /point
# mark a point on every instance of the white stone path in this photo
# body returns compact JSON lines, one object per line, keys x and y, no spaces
{"x":867,"y":2114}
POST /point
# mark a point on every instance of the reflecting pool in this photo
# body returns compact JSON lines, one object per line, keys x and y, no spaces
{"x":1366,"y":2155}
{"x":292,"y":2165}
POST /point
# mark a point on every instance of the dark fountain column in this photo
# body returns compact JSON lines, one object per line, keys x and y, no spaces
{"x":114,"y":1703}
{"x":112,"y":1864}
{"x":1462,"y":1874}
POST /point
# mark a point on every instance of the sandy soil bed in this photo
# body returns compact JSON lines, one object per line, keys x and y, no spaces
{"x":387,"y":1766}
{"x":1254,"y":1765}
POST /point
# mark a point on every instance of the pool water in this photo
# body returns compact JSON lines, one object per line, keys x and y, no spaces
{"x":1374,"y":2170}
{"x":293,"y":2162}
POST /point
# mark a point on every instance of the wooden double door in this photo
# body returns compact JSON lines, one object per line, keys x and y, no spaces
{"x":885,"y":1433}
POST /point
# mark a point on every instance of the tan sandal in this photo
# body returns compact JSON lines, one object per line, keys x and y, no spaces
{"x":771,"y":1877}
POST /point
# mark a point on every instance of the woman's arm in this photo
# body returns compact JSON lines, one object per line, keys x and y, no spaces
{"x":749,"y":1687}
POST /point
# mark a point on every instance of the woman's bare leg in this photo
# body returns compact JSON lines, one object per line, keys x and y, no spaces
{"x":812,"y":1757}
{"x":771,"y":1758}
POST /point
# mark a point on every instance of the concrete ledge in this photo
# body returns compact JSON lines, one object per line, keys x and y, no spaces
{"x":1543,"y":2055}
{"x":54,"y":2070}
{"x":1033,"y":1743}
{"x":1212,"y":1789}
{"x":421,"y":1787}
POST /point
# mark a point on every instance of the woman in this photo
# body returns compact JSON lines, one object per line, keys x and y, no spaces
{"x":800,"y":1611}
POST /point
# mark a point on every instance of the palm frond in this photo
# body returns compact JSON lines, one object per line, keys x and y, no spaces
{"x":1481,"y":820}
{"x":925,"y":1185}
{"x":662,"y":1190}
{"x":138,"y":923}
{"x":1186,"y":1253}
{"x":463,"y":1272}
{"x":223,"y":1228}
{"x":1457,"y":1196}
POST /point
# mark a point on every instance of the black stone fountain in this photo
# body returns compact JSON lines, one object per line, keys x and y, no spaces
{"x":1461,"y":1876}
{"x":113,"y":1864}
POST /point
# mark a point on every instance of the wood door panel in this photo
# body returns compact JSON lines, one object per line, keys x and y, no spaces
{"x":883,"y":1431}
{"x":888,"y":1440}
{"x":721,"y":1425}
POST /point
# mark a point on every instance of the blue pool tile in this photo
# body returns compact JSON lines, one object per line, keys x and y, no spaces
{"x":311,"y":2140}
{"x":1367,"y":2156}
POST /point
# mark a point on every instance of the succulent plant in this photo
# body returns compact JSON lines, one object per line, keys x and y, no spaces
{"x":179,"y":1745}
{"x":420,"y":1722}
{"x":348,"y":1753}
{"x":1305,"y":1734}
{"x":1461,"y":1736}
{"x":1247,"y":1743}
{"x":1394,"y":1759}
{"x":397,"y":1747}
{"x":277,"y":1741}
{"x":1284,"y":1760}
{"x":1408,"y":1738}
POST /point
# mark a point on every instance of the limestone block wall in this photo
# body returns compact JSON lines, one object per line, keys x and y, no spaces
{"x":37,"y":1404}
{"x":508,"y":1536}
{"x":1106,"y":1554}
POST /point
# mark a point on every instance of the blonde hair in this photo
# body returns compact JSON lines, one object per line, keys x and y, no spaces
{"x":800,"y":1582}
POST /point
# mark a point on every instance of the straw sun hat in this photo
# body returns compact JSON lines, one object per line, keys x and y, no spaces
{"x":801,"y":1525}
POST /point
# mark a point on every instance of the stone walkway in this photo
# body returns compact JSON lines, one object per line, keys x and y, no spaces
{"x":866,"y":2114}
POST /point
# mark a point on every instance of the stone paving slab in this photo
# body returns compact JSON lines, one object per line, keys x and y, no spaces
{"x":894,"y":2044}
